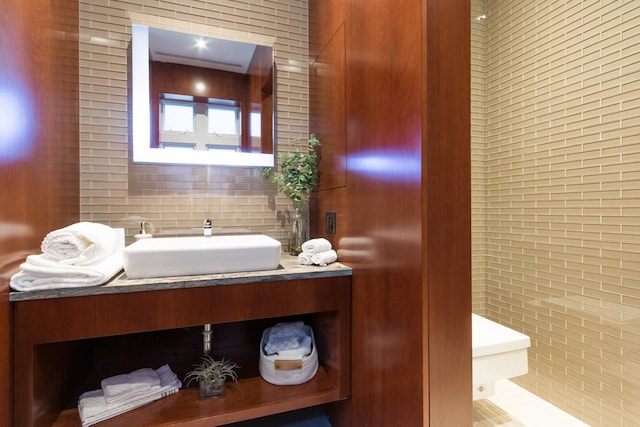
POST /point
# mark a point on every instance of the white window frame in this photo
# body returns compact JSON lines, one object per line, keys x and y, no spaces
{"x":200,"y":138}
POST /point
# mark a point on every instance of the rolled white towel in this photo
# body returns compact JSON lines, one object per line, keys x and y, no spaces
{"x":315,"y":246}
{"x":40,"y":272}
{"x":81,"y":243}
{"x":304,"y":258}
{"x":324,"y":258}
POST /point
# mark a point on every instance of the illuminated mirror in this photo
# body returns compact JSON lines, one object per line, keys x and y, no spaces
{"x":201,"y":100}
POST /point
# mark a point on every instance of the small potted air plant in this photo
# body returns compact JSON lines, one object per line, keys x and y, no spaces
{"x":212,"y":376}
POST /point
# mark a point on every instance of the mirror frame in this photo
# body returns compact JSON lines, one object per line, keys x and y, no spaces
{"x":141,"y":120}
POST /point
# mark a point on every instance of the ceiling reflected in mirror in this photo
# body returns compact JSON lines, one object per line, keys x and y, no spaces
{"x":200,"y":51}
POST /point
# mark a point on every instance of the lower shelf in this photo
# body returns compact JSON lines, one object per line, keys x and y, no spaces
{"x":247,"y":399}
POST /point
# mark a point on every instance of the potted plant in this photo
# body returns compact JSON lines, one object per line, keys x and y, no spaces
{"x":212,"y":376}
{"x":297,"y":175}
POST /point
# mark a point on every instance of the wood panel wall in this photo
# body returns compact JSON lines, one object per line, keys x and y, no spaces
{"x":446,"y":165}
{"x":384,"y":205}
{"x":39,"y":161}
{"x":403,"y":213}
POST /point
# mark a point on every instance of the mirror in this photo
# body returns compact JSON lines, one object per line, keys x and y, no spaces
{"x":201,"y":100}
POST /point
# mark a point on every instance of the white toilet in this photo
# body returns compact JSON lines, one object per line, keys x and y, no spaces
{"x":498,"y":353}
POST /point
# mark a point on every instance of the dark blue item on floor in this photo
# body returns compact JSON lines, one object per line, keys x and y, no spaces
{"x":311,"y":417}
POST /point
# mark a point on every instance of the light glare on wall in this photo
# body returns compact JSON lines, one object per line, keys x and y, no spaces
{"x":16,"y":123}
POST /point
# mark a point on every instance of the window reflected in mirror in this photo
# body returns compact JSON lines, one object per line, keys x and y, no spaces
{"x":211,"y":125}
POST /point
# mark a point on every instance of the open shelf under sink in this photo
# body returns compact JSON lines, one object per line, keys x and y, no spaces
{"x":247,"y":399}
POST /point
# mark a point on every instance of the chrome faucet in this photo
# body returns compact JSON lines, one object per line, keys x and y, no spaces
{"x":207,"y":227}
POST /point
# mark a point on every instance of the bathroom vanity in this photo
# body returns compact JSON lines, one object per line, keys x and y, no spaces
{"x":67,"y":340}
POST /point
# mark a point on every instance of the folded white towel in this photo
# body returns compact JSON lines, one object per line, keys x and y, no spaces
{"x":303,"y":350}
{"x":324,"y":258}
{"x":93,"y":407}
{"x":143,"y":379}
{"x":315,"y":246}
{"x":81,"y":243}
{"x":304,"y":258}
{"x":39,"y":272}
{"x":285,"y":336}
{"x":123,"y":387}
{"x":46,"y":272}
{"x":117,"y":385}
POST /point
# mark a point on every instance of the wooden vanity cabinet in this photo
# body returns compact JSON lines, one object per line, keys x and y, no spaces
{"x":64,"y":346}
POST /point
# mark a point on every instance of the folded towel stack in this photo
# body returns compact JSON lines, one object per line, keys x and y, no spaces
{"x":82,"y":254}
{"x":288,"y":339}
{"x":125,"y":387}
{"x":123,"y":393}
{"x":317,"y":251}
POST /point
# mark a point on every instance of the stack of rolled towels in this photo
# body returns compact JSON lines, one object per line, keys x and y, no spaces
{"x":317,"y":251}
{"x":122,"y":393}
{"x":79,"y":255}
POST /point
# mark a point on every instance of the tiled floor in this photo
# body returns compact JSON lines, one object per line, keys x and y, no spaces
{"x":513,"y":406}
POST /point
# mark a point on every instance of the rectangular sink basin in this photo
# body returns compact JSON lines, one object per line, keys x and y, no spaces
{"x":186,"y":256}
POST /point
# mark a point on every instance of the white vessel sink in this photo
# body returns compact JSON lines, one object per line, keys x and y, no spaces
{"x":185,"y":256}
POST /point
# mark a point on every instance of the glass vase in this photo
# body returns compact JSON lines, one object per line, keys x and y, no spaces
{"x":297,"y":233}
{"x":212,"y":388}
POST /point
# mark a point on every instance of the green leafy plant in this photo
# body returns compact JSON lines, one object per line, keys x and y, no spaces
{"x":298,"y":172}
{"x":210,"y":369}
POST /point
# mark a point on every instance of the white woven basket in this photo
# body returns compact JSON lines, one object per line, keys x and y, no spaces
{"x":279,"y":371}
